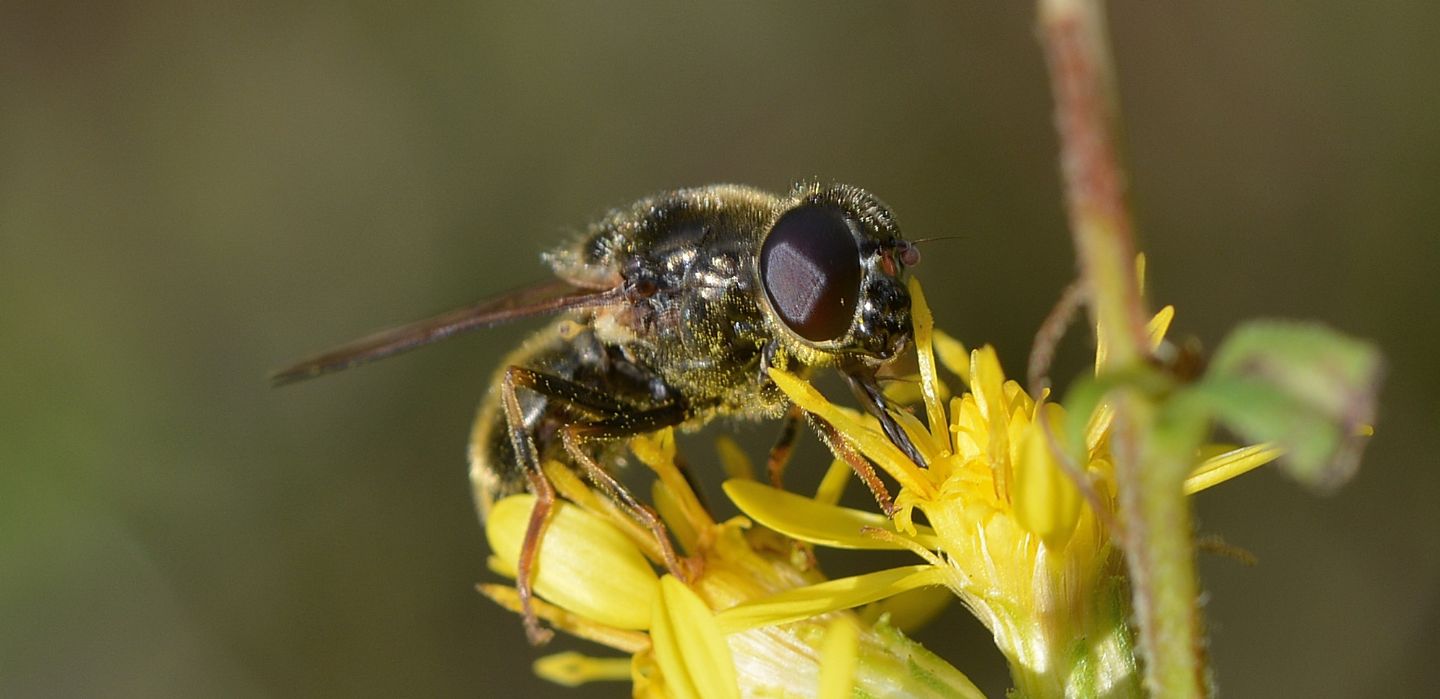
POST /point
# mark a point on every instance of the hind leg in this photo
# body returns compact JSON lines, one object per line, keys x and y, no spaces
{"x":575,"y":436}
{"x":585,"y":415}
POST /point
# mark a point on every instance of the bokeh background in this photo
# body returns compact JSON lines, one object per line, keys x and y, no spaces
{"x":191,"y":195}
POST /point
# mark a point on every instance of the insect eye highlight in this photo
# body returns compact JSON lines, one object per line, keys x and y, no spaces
{"x":810,"y":269}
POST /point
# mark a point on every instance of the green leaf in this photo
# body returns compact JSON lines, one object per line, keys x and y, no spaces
{"x":1305,"y":387}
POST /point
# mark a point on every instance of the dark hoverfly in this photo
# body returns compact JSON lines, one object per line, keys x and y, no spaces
{"x":674,"y":308}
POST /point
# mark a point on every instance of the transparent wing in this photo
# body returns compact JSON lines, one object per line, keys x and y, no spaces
{"x":540,"y":299}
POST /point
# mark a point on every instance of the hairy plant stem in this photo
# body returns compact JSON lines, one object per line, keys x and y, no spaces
{"x":1155,"y":513}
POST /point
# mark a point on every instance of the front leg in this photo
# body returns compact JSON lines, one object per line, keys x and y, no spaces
{"x":784,"y":445}
{"x":858,"y":463}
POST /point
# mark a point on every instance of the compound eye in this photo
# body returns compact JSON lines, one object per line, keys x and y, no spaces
{"x":810,"y":268}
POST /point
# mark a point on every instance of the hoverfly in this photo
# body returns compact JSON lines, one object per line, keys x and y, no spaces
{"x":673,"y":309}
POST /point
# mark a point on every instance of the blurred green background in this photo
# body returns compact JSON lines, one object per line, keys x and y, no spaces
{"x":191,"y":196}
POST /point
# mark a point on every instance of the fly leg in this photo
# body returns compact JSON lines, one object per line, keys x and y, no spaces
{"x":585,"y":414}
{"x":524,"y":445}
{"x":862,"y":466}
{"x":779,"y":458}
{"x":784,"y":445}
{"x":576,"y":435}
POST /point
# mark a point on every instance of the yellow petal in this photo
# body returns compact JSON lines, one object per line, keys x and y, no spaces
{"x":832,"y":486}
{"x":966,"y":426}
{"x":910,"y":610}
{"x":1219,"y":469}
{"x":733,"y":459}
{"x":568,"y":484}
{"x":574,"y":669}
{"x":1047,"y":503}
{"x":585,"y":565}
{"x":665,"y":646}
{"x":669,"y":509}
{"x":573,"y":624}
{"x":871,"y":443}
{"x":987,"y":381}
{"x":1102,"y":350}
{"x":1156,"y":328}
{"x":839,"y":655}
{"x":924,"y":324}
{"x":689,"y":647}
{"x":814,"y":600}
{"x":952,"y":355}
{"x":920,"y":436}
{"x":654,"y":448}
{"x":657,"y":451}
{"x":1159,"y":325}
{"x":906,"y":389}
{"x":807,"y":520}
{"x":647,"y":678}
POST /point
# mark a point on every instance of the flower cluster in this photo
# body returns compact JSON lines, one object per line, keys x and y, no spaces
{"x":1002,"y":515}
{"x":597,"y":577}
{"x":1022,"y":533}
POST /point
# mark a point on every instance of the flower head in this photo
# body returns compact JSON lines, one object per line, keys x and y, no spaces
{"x":597,"y":580}
{"x":1021,"y":529}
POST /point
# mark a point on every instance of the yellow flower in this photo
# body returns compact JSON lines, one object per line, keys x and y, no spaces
{"x":1024,"y":538}
{"x":596,"y":579}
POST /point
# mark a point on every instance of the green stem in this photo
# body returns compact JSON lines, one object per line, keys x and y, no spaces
{"x":1087,"y":118}
{"x":1159,"y":548}
{"x":1152,"y":506}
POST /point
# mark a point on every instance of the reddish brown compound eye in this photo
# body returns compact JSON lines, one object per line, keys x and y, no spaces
{"x":810,"y":269}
